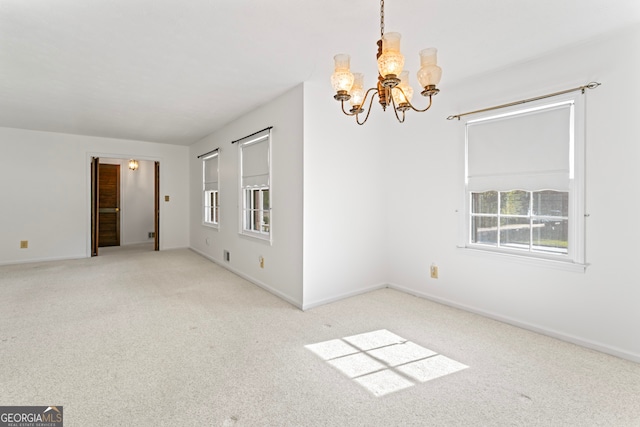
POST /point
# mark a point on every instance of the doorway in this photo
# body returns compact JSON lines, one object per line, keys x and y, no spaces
{"x":106,"y":209}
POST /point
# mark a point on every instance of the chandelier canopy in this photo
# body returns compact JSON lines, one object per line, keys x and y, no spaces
{"x":393,"y":82}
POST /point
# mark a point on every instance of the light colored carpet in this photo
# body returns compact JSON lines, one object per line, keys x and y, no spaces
{"x":142,"y":338}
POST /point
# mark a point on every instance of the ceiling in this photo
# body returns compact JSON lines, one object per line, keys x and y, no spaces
{"x":174,"y":71}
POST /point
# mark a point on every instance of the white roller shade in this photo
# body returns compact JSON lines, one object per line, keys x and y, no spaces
{"x":255,"y":161}
{"x":210,"y":173}
{"x":526,"y":151}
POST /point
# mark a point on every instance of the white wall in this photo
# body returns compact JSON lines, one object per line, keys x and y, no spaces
{"x":345,"y":170}
{"x":342,"y":243}
{"x":136,"y":201}
{"x":282,"y":272}
{"x":598,"y":308}
{"x":46,"y":192}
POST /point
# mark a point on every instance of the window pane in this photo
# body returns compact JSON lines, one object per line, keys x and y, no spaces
{"x":247,"y":219}
{"x":265,"y":199}
{"x":486,"y":202}
{"x":266,"y":221}
{"x":484,"y":230}
{"x":514,"y":202}
{"x":255,"y":223}
{"x":551,"y":235}
{"x":551,"y":203}
{"x":255,"y":202}
{"x":514,"y":232}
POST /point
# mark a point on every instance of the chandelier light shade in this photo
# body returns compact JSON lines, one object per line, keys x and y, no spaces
{"x":393,"y":89}
{"x":133,"y":164}
{"x":391,"y":62}
{"x":403,"y":93}
{"x":429,"y":74}
{"x":357,"y":90}
{"x":342,"y":79}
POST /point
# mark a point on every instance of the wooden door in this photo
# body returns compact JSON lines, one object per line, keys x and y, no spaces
{"x":108,"y":205}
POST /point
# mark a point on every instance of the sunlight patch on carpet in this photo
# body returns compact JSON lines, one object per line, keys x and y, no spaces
{"x":383,"y":362}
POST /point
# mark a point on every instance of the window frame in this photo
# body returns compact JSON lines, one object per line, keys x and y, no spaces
{"x":255,"y":214}
{"x":574,"y":259}
{"x":531,"y":219}
{"x":248,"y":226}
{"x":211,"y":212}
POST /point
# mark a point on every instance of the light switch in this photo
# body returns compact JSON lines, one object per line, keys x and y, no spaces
{"x":166,"y":198}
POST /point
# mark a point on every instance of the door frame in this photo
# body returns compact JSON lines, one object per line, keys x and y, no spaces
{"x":156,"y":205}
{"x":93,"y":160}
{"x":95,"y":204}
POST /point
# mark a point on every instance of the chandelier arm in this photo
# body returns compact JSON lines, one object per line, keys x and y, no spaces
{"x":364,"y":100}
{"x":395,"y":111}
{"x":421,"y":111}
{"x":344,"y":111}
{"x":369,"y":109}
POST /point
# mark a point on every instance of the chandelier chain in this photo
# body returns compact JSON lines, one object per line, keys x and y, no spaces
{"x":381,"y":18}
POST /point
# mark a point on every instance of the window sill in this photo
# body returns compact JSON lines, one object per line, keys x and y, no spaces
{"x":526,"y":259}
{"x":210,"y":225}
{"x":257,"y":236}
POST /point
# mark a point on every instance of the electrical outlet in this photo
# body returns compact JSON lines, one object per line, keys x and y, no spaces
{"x":24,"y":244}
{"x":434,"y":271}
{"x":261,"y":260}
{"x":227,"y":256}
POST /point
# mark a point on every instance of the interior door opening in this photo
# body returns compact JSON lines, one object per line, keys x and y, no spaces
{"x":125,"y":208}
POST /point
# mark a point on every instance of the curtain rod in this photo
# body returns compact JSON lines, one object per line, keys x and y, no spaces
{"x":207,"y":153}
{"x":591,"y":85}
{"x":249,"y":136}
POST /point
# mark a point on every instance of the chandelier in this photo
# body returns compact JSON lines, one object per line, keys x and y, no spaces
{"x":393,"y":83}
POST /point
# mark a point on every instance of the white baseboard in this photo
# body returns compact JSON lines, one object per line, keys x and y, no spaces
{"x":525,"y":325}
{"x":142,"y":242}
{"x":360,"y":291}
{"x":46,"y":259}
{"x":253,"y":280}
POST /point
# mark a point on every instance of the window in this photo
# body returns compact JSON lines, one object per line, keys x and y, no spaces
{"x":533,"y":221}
{"x":257,"y":211}
{"x":524,"y":183}
{"x":256,"y":185}
{"x":211,"y":193}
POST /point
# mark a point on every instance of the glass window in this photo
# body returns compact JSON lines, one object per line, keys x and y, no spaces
{"x":211,"y":194}
{"x":256,"y":185}
{"x":524,"y":181}
{"x":522,"y":220}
